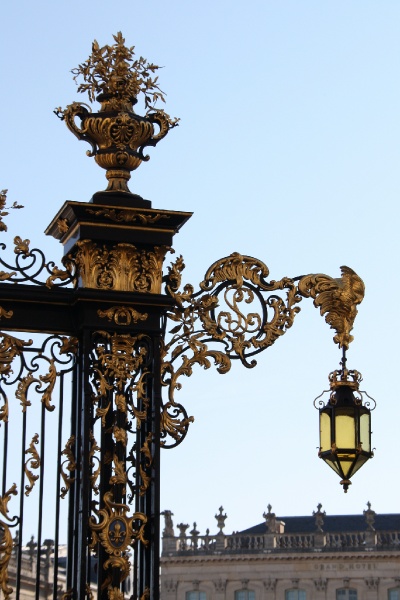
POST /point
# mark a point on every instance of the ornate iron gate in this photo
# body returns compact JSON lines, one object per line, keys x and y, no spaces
{"x":82,"y":418}
{"x":104,"y":320}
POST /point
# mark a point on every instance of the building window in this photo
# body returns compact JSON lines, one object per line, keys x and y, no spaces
{"x":245,"y":595}
{"x":196,"y":595}
{"x":394,"y":594}
{"x":346,"y":594}
{"x":295,"y":595}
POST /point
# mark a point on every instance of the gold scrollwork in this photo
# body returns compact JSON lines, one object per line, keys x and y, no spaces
{"x":6,"y":314}
{"x":22,"y":390}
{"x":122,"y":315}
{"x":95,"y":472}
{"x":10,"y":347}
{"x":33,"y":462}
{"x":115,"y":593}
{"x":70,"y":466}
{"x":122,"y":267}
{"x":337,"y":299}
{"x":127,"y":216}
{"x":119,"y":472}
{"x":50,"y":379}
{"x":6,"y":542}
{"x":220,"y":314}
{"x":61,"y":274}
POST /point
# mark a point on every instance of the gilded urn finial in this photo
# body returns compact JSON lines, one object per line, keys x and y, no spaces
{"x":116,"y":78}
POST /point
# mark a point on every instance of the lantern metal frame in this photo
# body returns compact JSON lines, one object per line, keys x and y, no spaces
{"x":345,"y":423}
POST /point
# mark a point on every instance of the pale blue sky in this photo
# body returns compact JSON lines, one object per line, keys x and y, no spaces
{"x":287,"y":150}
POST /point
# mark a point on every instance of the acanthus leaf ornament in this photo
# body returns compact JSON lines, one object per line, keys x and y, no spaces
{"x":70,"y":465}
{"x":337,"y":299}
{"x":33,"y":462}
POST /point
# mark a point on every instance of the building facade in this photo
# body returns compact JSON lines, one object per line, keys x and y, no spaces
{"x":318,"y":557}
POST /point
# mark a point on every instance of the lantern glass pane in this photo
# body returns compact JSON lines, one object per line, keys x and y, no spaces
{"x":345,"y":429}
{"x":365,"y":432}
{"x":325,"y":431}
{"x":346,"y":462}
{"x":360,"y":461}
{"x":333,"y":466}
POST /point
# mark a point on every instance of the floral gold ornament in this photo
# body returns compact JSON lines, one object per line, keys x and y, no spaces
{"x":4,"y":210}
{"x":122,"y":315}
{"x":117,"y":135}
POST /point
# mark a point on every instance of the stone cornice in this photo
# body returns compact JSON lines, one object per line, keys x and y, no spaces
{"x":286,"y":557}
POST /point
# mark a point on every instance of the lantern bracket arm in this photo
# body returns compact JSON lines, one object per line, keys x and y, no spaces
{"x":236,"y":313}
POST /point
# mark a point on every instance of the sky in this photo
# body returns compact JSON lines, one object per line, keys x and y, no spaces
{"x":287,"y":150}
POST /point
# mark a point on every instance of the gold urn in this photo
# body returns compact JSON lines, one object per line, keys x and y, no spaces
{"x":113,"y":76}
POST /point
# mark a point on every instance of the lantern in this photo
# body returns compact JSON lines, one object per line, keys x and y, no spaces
{"x":345,"y":426}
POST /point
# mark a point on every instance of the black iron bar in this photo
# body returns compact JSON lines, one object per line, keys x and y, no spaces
{"x":40,"y":510}
{"x":21,"y":507}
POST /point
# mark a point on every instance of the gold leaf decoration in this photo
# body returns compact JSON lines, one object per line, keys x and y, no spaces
{"x":337,"y":299}
{"x":33,"y":462}
{"x":121,"y":267}
{"x":70,"y":466}
{"x":50,"y":378}
{"x":95,"y":471}
{"x":119,"y":472}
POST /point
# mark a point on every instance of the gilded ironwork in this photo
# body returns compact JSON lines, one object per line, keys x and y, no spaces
{"x":127,"y":216}
{"x":122,"y":315}
{"x":6,"y":540}
{"x":70,"y":466}
{"x":116,"y":531}
{"x":33,"y":462}
{"x":117,"y":135}
{"x":4,"y":210}
{"x":114,"y":248}
{"x":6,"y":314}
{"x":30,"y":265}
{"x":63,"y":225}
{"x":220,"y":314}
{"x":337,"y":299}
{"x":94,"y":463}
{"x":122,"y":267}
{"x":10,"y":347}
